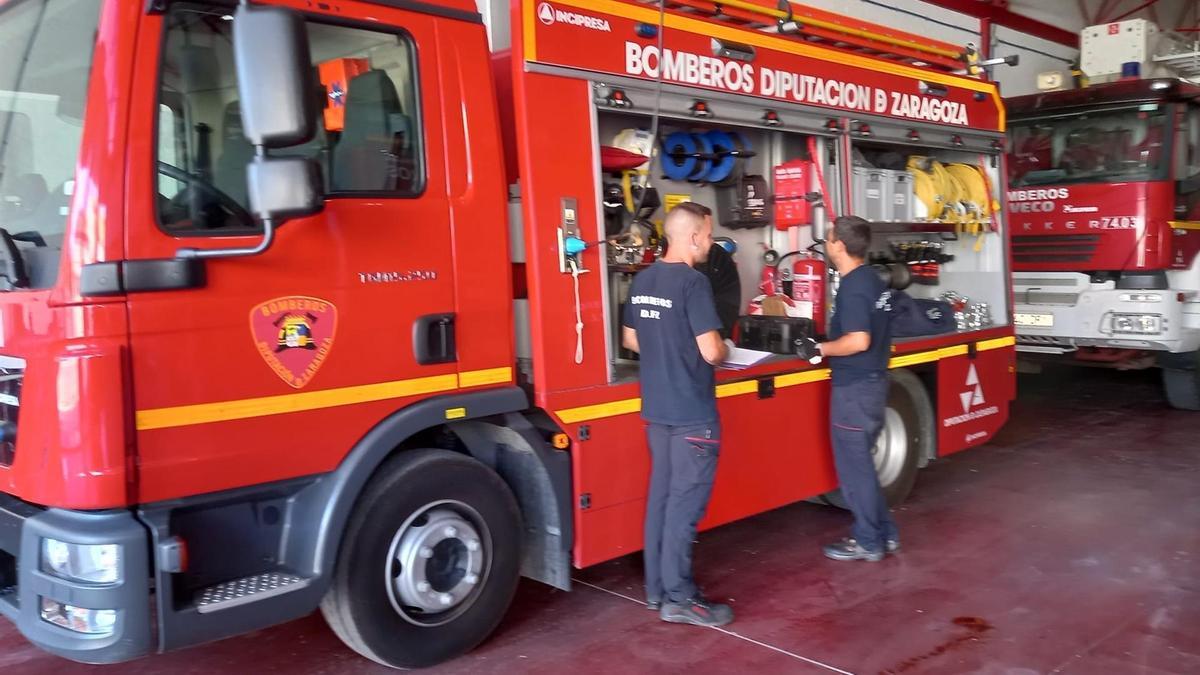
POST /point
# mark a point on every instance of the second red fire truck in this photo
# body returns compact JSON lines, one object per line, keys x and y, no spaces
{"x":1104,"y":201}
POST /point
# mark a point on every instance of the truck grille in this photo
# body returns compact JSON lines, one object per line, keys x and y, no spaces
{"x":1054,"y":248}
{"x":12,"y":374}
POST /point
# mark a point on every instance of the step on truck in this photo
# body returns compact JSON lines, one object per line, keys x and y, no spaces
{"x":1104,"y":199}
{"x":305,"y":306}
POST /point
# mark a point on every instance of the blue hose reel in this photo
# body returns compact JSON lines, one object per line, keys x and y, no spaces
{"x":709,"y":157}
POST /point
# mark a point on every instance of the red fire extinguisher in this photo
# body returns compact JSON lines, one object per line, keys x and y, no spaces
{"x":770,"y":282}
{"x":808,"y":285}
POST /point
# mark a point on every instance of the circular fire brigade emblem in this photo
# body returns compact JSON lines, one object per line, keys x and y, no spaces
{"x":294,"y":335}
{"x":546,"y":13}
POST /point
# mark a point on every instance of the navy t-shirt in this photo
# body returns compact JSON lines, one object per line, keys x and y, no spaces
{"x":670,"y":304}
{"x":858,"y":308}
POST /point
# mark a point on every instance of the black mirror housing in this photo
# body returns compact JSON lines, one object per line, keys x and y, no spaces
{"x":275,"y":76}
{"x":281,"y":188}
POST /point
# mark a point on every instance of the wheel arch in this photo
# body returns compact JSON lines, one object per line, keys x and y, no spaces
{"x":540,"y":478}
{"x":320,"y":511}
{"x":926,"y":376}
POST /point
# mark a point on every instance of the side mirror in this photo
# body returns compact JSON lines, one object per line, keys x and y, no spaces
{"x":276,"y":81}
{"x":283,"y":187}
{"x":275,"y":76}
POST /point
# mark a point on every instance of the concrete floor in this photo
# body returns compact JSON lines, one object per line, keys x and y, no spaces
{"x":1071,"y":544}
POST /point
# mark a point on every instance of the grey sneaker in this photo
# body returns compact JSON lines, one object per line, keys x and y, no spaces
{"x":891,"y":546}
{"x":697,"y":612}
{"x":848,"y":549}
{"x":654,"y":605}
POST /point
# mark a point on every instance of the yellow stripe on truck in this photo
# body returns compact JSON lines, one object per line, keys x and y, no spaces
{"x":225,"y":411}
{"x":629,"y":406}
{"x":998,"y":343}
{"x":479,"y":378}
{"x":600,"y":410}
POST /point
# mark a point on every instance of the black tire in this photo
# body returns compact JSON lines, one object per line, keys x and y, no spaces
{"x":909,"y":403}
{"x":360,"y":604}
{"x":1182,"y":388}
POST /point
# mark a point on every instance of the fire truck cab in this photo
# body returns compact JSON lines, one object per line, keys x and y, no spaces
{"x":1104,"y":197}
{"x":315,"y":304}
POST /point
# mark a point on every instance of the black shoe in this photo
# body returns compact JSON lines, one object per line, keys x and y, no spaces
{"x":654,"y":605}
{"x":848,"y":549}
{"x":892,"y":545}
{"x":697,"y":612}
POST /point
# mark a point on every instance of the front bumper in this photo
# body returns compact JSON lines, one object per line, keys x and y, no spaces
{"x":23,"y":585}
{"x":1087,"y":322}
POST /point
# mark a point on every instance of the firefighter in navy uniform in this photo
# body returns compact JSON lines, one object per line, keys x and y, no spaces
{"x":858,"y":352}
{"x":672,"y":322}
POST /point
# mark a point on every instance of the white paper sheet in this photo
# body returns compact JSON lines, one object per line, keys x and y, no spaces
{"x":740,"y":359}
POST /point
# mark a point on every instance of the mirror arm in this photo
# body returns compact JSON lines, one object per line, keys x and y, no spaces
{"x":268,"y":237}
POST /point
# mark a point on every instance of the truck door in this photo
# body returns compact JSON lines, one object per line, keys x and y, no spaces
{"x":279,"y":363}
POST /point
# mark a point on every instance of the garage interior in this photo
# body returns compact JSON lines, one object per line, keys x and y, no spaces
{"x":1068,"y":542}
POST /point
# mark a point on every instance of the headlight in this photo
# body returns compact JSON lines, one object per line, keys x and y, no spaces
{"x":91,"y":563}
{"x":79,"y":619}
{"x":1136,"y":324}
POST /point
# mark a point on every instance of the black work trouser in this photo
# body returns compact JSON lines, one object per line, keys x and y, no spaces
{"x":684,"y":463}
{"x":856,"y":414}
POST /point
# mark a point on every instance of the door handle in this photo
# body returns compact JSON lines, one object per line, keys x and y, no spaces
{"x":433,"y":339}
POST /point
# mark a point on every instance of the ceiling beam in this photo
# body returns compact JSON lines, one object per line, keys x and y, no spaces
{"x":1135,"y":10}
{"x":1000,"y":15}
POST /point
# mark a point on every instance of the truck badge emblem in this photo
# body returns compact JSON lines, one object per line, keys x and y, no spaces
{"x":974,"y":394}
{"x":294,"y":335}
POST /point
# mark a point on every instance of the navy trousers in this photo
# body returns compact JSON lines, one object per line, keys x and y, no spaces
{"x":856,"y":413}
{"x":684,"y":462}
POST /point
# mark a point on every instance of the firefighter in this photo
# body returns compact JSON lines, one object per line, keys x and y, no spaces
{"x":858,"y":350}
{"x":671,"y":321}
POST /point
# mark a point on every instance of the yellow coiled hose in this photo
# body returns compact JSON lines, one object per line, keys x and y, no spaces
{"x":953,"y":193}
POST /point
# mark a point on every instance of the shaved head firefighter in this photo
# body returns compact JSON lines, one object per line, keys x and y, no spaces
{"x":671,"y":321}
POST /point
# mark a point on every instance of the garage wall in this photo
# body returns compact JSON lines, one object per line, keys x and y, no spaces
{"x":923,"y":18}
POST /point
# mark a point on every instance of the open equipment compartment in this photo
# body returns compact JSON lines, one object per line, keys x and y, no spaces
{"x":727,"y":157}
{"x":934,"y":202}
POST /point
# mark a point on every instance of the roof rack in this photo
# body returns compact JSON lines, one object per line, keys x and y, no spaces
{"x":1180,"y":55}
{"x":828,"y":29}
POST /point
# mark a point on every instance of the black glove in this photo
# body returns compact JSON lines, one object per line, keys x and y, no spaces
{"x":806,"y":348}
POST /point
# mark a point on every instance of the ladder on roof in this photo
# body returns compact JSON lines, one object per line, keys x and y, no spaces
{"x":828,"y":29}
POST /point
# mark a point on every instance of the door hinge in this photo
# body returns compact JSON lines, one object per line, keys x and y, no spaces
{"x":585,"y":500}
{"x":585,"y":432}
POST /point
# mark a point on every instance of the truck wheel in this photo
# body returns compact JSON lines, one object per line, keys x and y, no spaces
{"x":429,"y":562}
{"x":908,"y":436}
{"x":1182,"y":386}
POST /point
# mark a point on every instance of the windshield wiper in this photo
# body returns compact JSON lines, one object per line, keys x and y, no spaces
{"x":12,"y":264}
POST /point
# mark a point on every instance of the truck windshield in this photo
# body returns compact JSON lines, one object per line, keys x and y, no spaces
{"x":1092,"y":147}
{"x":45,"y":58}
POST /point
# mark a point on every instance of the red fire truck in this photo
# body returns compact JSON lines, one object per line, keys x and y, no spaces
{"x":1105,"y":204}
{"x":304,"y":306}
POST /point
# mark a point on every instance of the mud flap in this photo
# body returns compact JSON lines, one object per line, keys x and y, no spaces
{"x":540,"y":478}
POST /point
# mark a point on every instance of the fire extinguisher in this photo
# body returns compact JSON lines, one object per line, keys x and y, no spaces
{"x":808,"y":284}
{"x":770,"y":282}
